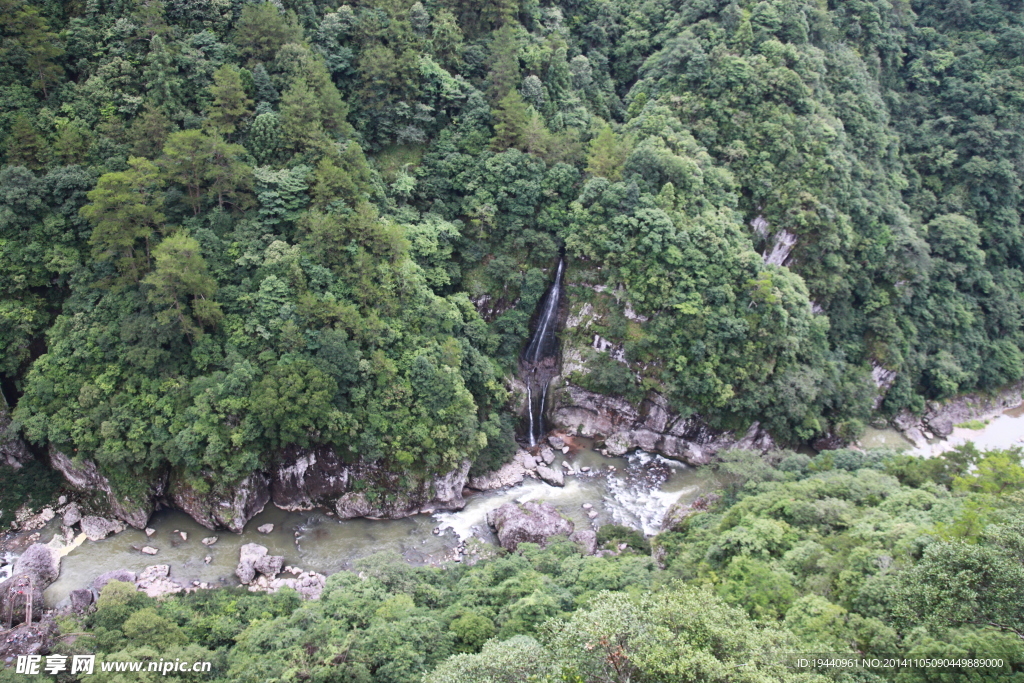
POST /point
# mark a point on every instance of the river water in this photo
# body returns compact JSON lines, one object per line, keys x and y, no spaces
{"x":636,"y":493}
{"x":1000,"y":430}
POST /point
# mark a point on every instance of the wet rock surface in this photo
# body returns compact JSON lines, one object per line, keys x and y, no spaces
{"x":527,"y":523}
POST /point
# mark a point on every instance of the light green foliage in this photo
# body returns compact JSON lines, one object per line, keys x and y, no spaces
{"x":125,"y":209}
{"x":230,"y":102}
{"x":182,"y":285}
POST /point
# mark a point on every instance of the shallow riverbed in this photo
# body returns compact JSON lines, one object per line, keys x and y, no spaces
{"x":637,"y":493}
{"x":1000,"y":430}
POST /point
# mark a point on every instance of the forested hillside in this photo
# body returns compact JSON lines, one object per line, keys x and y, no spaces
{"x":228,"y":227}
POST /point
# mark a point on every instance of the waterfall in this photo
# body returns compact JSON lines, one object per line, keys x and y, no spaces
{"x":543,"y":342}
{"x":529,"y":402}
{"x":543,"y":346}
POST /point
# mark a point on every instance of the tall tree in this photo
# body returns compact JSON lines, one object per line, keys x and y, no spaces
{"x":125,"y":210}
{"x":262,"y":30}
{"x":230,"y":102}
{"x":181,"y":283}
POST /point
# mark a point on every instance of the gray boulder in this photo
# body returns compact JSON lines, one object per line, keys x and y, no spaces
{"x":527,"y":523}
{"x":81,"y":599}
{"x":552,"y":476}
{"x":253,"y":559}
{"x":269,"y":565}
{"x":98,"y":528}
{"x":41,"y":562}
{"x":586,"y":539}
{"x":116,"y":575}
{"x":248,"y":555}
{"x":72,"y":514}
{"x":547,"y":455}
{"x":556,"y":442}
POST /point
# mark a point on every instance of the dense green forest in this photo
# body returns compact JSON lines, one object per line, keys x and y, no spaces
{"x":874,"y":554}
{"x":228,"y":227}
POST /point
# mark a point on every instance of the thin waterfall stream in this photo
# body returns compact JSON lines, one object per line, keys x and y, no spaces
{"x":539,"y":363}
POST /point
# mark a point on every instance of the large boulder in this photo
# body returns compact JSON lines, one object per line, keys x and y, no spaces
{"x":98,"y":528}
{"x":80,"y":599}
{"x":156,"y":581}
{"x":125,"y":575}
{"x":248,"y":554}
{"x":269,"y":565}
{"x":41,"y":562}
{"x":254,"y":558}
{"x":555,"y":477}
{"x":529,"y":522}
{"x":586,"y":539}
{"x":72,"y":514}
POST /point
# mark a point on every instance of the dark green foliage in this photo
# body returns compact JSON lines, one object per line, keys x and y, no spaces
{"x":35,"y":484}
{"x":232,"y":228}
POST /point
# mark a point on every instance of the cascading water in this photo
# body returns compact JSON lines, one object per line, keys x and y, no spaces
{"x":539,"y":359}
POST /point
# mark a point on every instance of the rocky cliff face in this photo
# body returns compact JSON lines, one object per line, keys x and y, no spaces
{"x":308,"y":478}
{"x":939,"y":419}
{"x":651,"y":427}
{"x":223,"y":507}
{"x":13,"y":451}
{"x":85,"y":476}
{"x":303,"y":479}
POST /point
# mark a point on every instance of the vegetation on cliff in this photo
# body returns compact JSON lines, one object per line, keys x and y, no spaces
{"x":230,"y":226}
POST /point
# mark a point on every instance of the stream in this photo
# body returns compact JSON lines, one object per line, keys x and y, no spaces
{"x":1001,"y":430}
{"x":636,"y":493}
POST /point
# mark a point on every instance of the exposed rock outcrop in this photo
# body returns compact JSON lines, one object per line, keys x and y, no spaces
{"x":939,"y":419}
{"x":308,"y":478}
{"x":509,"y":474}
{"x":254,"y":558}
{"x":85,"y":476}
{"x":527,"y":523}
{"x":223,"y":507}
{"x":13,"y":451}
{"x":586,"y":539}
{"x":156,"y":582}
{"x":72,"y":514}
{"x":80,"y":599}
{"x":652,"y":427}
{"x":310,"y":585}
